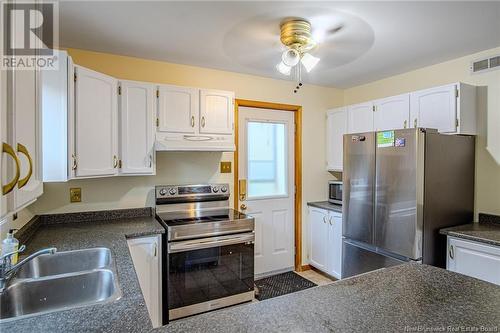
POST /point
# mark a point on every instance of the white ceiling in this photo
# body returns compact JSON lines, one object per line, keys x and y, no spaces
{"x":375,"y":39}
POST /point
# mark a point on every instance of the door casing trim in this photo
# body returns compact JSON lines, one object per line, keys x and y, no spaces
{"x":297,"y":110}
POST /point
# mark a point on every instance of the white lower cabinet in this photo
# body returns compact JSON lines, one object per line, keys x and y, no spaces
{"x":474,"y":259}
{"x":146,"y":255}
{"x":326,"y":241}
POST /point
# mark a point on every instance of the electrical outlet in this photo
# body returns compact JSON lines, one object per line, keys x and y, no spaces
{"x":225,"y":167}
{"x":75,"y":194}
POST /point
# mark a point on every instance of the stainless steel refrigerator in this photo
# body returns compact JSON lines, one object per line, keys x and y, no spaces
{"x":400,"y":188}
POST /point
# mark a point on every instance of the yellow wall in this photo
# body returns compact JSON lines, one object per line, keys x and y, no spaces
{"x":186,"y":167}
{"x":487,"y":157}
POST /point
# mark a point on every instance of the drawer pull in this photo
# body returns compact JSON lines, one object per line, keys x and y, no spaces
{"x":452,"y":252}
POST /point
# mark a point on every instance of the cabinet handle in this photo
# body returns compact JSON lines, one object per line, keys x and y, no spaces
{"x":115,"y":161}
{"x":74,"y":166}
{"x":405,"y":123}
{"x":150,"y":160}
{"x":415,"y":123}
{"x":451,"y":251}
{"x":23,"y":150}
{"x":324,"y":219}
{"x":192,"y":121}
{"x":155,"y":249}
{"x":203,"y":121}
{"x":330,"y":220}
{"x":10,"y":186}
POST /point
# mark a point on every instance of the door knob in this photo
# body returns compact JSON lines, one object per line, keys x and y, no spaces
{"x":243,"y":207}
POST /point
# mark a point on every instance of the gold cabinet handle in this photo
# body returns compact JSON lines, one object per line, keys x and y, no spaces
{"x":243,"y":207}
{"x":10,"y":186}
{"x":115,"y":161}
{"x":192,"y":121}
{"x":74,"y":166}
{"x":23,"y":150}
{"x":203,"y":121}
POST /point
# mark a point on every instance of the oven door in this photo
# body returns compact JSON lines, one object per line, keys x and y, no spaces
{"x":209,"y":273}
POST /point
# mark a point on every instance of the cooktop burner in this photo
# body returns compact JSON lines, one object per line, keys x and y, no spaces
{"x":195,"y":217}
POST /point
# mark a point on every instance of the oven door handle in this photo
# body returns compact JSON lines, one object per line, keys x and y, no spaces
{"x":206,"y":243}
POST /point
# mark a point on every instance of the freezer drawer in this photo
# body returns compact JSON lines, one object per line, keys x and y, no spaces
{"x":358,"y":259}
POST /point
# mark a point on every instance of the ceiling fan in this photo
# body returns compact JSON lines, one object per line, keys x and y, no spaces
{"x":297,"y":38}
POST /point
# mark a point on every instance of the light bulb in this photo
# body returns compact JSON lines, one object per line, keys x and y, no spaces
{"x":290,"y":57}
{"x":309,"y":61}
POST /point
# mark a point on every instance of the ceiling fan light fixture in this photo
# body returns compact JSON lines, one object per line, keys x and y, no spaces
{"x":309,"y":61}
{"x":283,"y":69}
{"x":290,"y":57}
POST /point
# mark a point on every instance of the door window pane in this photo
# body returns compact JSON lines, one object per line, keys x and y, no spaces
{"x":267,"y":159}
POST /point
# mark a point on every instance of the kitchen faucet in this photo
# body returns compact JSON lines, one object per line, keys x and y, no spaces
{"x":7,"y":270}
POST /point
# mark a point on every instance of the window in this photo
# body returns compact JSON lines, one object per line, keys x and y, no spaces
{"x":267,"y":159}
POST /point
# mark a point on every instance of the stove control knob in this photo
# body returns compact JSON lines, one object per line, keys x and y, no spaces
{"x":223,"y":189}
{"x":172,"y":191}
{"x":163,"y":191}
{"x":215,"y":189}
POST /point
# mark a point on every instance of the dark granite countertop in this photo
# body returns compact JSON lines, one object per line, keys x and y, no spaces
{"x":397,"y":299}
{"x":326,"y":205}
{"x":127,"y":314}
{"x":483,"y":232}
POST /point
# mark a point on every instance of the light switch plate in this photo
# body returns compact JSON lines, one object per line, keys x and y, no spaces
{"x":75,"y":194}
{"x":225,"y":167}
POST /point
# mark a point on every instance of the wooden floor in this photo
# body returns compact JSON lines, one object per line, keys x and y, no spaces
{"x":316,"y":277}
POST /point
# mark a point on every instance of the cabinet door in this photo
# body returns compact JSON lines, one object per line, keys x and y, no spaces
{"x":27,"y":135}
{"x":146,"y":252}
{"x":177,"y":109}
{"x":95,"y":123}
{"x":334,"y":252}
{"x":360,"y":118}
{"x":137,"y":108}
{"x":474,"y":259}
{"x":336,"y":127}
{"x":216,"y":112}
{"x":392,"y":113}
{"x":435,"y":108}
{"x":319,"y":235}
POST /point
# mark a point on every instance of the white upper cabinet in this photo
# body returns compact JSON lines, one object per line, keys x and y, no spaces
{"x":27,"y":135}
{"x":177,"y":109}
{"x":96,"y":136}
{"x":336,"y":122}
{"x":391,"y":113}
{"x":435,"y":108}
{"x":360,"y":118}
{"x":449,"y":109}
{"x":216,"y":111}
{"x":137,"y":108}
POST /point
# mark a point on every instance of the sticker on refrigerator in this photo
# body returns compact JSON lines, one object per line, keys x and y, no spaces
{"x":385,"y":139}
{"x":400,"y":142}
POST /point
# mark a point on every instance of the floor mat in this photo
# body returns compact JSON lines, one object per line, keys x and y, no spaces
{"x":281,"y":284}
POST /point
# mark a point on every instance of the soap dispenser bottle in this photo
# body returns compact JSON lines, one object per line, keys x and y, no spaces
{"x":10,"y":244}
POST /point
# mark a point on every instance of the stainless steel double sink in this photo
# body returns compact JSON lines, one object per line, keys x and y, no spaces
{"x":60,"y":281}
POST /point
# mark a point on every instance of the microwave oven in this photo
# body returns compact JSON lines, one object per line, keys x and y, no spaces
{"x":335,"y":192}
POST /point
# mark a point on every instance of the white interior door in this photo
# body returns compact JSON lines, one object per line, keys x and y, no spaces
{"x":266,"y":162}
